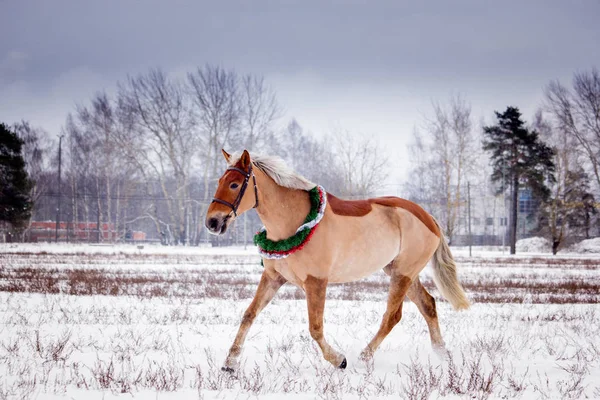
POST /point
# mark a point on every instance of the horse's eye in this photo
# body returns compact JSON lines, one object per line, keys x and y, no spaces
{"x":234,"y":186}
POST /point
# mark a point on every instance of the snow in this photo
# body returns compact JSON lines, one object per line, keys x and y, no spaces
{"x":85,"y":248}
{"x":527,"y":343}
{"x":534,"y":245}
{"x":512,"y":343}
{"x":586,"y":246}
{"x":531,"y":246}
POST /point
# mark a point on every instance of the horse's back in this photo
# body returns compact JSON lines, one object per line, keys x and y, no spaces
{"x":360,"y":208}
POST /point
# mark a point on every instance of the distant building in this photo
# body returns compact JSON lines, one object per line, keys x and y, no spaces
{"x":490,"y":217}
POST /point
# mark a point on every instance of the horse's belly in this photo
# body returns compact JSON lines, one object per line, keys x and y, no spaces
{"x":362,"y":262}
{"x":369,"y":244}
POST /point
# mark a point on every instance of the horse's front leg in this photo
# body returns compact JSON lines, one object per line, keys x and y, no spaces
{"x":315,"y":296}
{"x":270,"y":282}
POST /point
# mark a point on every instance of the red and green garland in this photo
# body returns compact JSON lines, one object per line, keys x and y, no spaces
{"x":283,"y":248}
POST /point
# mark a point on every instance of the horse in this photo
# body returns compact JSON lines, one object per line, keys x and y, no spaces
{"x":312,"y":238}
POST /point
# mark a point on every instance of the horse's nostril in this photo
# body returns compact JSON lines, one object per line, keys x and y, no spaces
{"x":213,"y":224}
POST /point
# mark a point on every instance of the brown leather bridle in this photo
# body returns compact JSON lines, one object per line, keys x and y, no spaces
{"x":240,"y":195}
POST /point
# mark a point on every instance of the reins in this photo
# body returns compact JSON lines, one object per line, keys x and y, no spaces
{"x":240,"y":195}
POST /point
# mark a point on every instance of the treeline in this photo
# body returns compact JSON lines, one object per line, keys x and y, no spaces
{"x":553,"y":162}
{"x":147,"y":157}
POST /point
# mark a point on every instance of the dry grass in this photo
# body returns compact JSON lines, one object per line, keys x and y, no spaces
{"x":545,"y":262}
{"x":189,"y":277}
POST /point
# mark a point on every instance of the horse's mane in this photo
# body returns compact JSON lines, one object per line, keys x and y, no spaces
{"x":278,"y":170}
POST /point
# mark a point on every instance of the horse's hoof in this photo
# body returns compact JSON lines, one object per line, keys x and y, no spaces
{"x":343,"y":364}
{"x":366,"y":355}
{"x":231,"y":370}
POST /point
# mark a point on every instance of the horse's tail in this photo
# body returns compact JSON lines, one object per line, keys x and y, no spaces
{"x":444,"y":275}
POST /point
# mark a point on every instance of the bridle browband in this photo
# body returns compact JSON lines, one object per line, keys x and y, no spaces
{"x":240,"y":195}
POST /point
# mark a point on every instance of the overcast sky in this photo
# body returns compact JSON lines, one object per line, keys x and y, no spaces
{"x":371,"y":67}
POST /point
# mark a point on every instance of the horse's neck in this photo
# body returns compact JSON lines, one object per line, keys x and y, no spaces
{"x":280,"y":209}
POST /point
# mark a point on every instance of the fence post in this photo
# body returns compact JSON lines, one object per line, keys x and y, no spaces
{"x":469,"y":215}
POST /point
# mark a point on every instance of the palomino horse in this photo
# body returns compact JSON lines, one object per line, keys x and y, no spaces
{"x":338,"y":241}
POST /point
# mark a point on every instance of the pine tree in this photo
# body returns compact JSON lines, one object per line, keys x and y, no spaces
{"x":15,"y":205}
{"x":519,"y":159}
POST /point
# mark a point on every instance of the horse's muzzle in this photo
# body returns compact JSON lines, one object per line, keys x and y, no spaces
{"x":217,"y":225}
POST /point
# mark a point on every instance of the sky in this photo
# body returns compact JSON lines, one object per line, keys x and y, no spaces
{"x":372,"y":68}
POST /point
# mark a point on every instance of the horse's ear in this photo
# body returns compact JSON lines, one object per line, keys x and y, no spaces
{"x":245,"y":159}
{"x":226,"y":155}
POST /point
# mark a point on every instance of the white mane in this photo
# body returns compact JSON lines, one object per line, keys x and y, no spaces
{"x":277,"y":170}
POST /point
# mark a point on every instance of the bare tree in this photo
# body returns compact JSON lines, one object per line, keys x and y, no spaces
{"x":576,"y":111}
{"x":217,"y":107}
{"x":361,"y":161}
{"x":313,"y":158}
{"x":37,"y":153}
{"x":444,"y":154}
{"x":91,"y":165}
{"x":76,"y":171}
{"x":164,"y":142}
{"x":345,"y":164}
{"x":569,"y":196}
{"x":98,"y":125}
{"x":554,"y":214}
{"x":155,"y":138}
{"x":423,"y":173}
{"x":259,"y":111}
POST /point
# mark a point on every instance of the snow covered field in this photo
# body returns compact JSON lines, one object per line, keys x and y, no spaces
{"x":100,"y":322}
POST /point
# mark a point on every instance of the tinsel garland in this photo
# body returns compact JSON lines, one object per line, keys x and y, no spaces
{"x":283,"y":248}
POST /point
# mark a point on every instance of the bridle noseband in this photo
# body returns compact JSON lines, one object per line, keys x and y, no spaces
{"x":238,"y":199}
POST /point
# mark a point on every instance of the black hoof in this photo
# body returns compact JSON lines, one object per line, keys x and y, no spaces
{"x":231,"y":370}
{"x":343,"y":364}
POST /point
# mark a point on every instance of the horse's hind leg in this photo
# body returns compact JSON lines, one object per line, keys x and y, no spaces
{"x":399,"y":285}
{"x":315,"y":297}
{"x":270,"y":282}
{"x":426,"y":305}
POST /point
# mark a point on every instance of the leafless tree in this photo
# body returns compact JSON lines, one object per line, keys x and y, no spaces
{"x":311,"y":157}
{"x":569,"y":191}
{"x":159,"y":138}
{"x":555,"y":211}
{"x":259,"y":111}
{"x":163,"y":141}
{"x":576,"y":111}
{"x":76,"y":170}
{"x":217,"y":109}
{"x":37,"y":153}
{"x":89,"y":167}
{"x":155,"y":137}
{"x":443,"y":155}
{"x":346,"y":165}
{"x":362,"y":162}
{"x":97,"y":129}
{"x":423,"y":178}
{"x":297,"y":148}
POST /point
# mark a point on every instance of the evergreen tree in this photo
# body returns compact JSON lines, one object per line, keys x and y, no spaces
{"x":15,"y":205}
{"x":519,"y":159}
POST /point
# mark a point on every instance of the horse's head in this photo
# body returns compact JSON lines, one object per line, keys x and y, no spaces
{"x":231,"y":197}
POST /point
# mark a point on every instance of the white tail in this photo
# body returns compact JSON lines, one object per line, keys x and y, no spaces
{"x":444,"y":276}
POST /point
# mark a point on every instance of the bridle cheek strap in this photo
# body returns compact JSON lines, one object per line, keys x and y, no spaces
{"x":240,"y":195}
